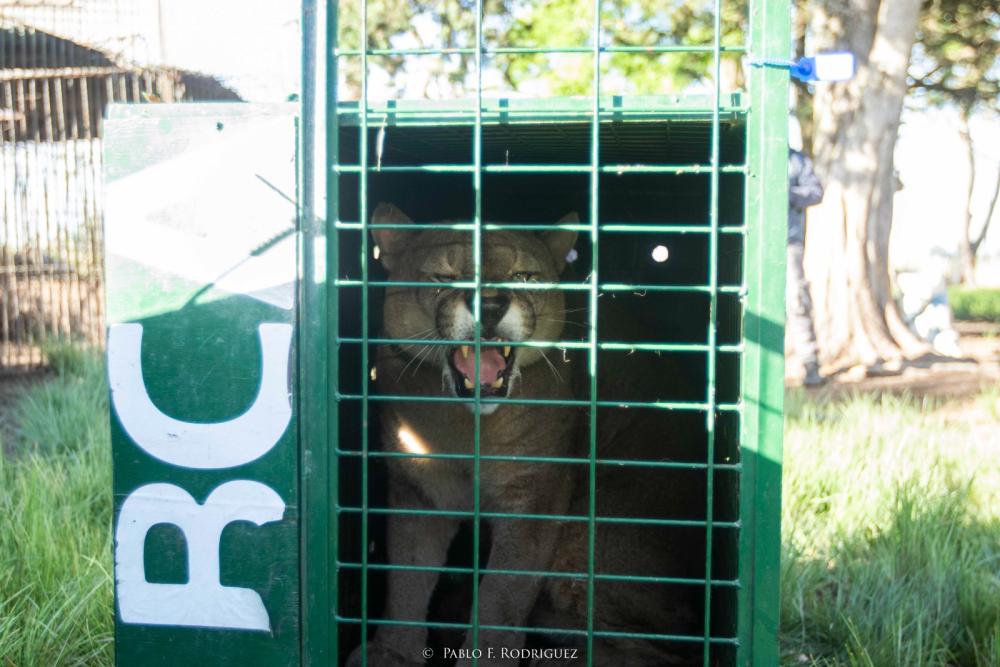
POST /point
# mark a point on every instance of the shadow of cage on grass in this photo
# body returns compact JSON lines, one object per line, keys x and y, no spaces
{"x":891,"y":547}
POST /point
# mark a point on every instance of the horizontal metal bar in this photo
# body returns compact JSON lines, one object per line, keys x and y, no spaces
{"x":629,"y":578}
{"x":625,"y":287}
{"x":462,"y":514}
{"x":556,"y":402}
{"x":636,"y":228}
{"x":533,"y":287}
{"x":671,"y":169}
{"x":569,"y":345}
{"x":463,"y":226}
{"x":568,"y":113}
{"x":531,"y":50}
{"x":462,"y":116}
{"x":650,"y":636}
{"x":423,"y":168}
{"x":513,"y":111}
{"x":542,"y":169}
{"x":613,"y":228}
{"x":674,"y":465}
{"x":18,"y":73}
{"x":463,"y":284}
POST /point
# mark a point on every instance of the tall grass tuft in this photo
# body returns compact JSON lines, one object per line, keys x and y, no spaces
{"x":891,"y":529}
{"x":56,"y":603}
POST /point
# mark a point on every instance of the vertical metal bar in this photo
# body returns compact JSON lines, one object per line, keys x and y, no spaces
{"x":595,"y":174}
{"x":477,"y":250}
{"x":315,"y":537}
{"x":89,"y":188}
{"x":713,"y":280}
{"x":19,"y":212}
{"x":19,"y":332}
{"x":75,"y":190}
{"x":331,"y":329}
{"x":363,"y":213}
{"x":6,"y":253}
{"x":764,"y":314}
{"x":48,"y":323}
{"x":24,"y":289}
{"x":10,"y":230}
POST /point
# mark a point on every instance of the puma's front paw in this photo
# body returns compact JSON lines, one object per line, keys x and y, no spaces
{"x":382,"y":656}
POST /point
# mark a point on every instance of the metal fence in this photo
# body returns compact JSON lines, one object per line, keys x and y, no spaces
{"x":53,"y":93}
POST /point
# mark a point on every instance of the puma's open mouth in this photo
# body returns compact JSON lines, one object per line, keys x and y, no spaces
{"x":495,"y":365}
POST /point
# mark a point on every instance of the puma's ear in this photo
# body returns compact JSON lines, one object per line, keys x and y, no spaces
{"x":561,"y":241}
{"x":390,"y":241}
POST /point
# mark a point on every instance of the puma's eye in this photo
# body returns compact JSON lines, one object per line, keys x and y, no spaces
{"x":522,"y":276}
{"x":444,"y":277}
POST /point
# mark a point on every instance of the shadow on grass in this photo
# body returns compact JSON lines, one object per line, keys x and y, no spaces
{"x":924,"y":590}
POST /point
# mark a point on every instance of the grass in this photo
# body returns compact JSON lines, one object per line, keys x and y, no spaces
{"x":55,"y":500}
{"x":891,"y":525}
{"x":891,"y":529}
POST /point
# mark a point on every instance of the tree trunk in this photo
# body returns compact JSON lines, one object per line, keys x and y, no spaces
{"x":966,"y":254}
{"x":856,"y":122}
{"x":985,"y":229}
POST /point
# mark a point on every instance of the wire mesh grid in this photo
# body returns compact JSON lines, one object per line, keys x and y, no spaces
{"x":591,"y":140}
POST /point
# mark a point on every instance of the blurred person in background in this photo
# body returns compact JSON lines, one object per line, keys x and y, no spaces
{"x":924,"y":288}
{"x":804,"y":190}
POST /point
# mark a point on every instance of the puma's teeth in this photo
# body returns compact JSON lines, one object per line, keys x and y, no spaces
{"x":465,"y":354}
{"x":506,"y":350}
{"x":498,"y":383}
{"x":468,"y":383}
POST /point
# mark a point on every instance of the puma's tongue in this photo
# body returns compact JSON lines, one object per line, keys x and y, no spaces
{"x":491,"y":364}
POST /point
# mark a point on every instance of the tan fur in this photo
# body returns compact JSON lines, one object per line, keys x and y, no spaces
{"x":512,"y":429}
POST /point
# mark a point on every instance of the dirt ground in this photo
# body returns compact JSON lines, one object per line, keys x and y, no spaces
{"x":940,"y":377}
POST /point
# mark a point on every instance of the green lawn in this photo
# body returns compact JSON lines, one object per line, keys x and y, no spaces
{"x":891,"y":530}
{"x":55,"y":504}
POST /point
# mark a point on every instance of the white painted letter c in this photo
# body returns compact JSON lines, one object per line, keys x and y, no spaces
{"x":194,"y":445}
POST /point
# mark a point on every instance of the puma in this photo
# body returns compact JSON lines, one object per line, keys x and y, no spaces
{"x":509,"y":430}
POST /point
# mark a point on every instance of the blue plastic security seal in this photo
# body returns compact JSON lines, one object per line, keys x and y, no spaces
{"x":835,"y":66}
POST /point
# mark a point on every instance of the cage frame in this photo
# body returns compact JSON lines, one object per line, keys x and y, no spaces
{"x":759,"y":407}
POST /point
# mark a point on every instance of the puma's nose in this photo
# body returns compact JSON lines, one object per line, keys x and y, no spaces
{"x":493,"y":306}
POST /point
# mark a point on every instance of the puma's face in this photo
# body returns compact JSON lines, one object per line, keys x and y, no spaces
{"x":447,"y":313}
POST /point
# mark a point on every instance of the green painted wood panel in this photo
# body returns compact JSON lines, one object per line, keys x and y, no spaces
{"x":202,"y":264}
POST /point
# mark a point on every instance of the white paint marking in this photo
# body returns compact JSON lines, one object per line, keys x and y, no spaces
{"x":194,"y":445}
{"x":202,"y":601}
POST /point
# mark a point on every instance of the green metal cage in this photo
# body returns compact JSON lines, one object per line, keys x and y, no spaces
{"x":702,"y":176}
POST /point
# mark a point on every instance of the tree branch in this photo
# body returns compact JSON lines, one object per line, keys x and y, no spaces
{"x":989,"y":215}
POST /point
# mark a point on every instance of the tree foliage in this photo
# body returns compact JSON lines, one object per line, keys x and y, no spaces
{"x":956,"y":61}
{"x":957,"y":55}
{"x":544,"y":24}
{"x":625,"y":23}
